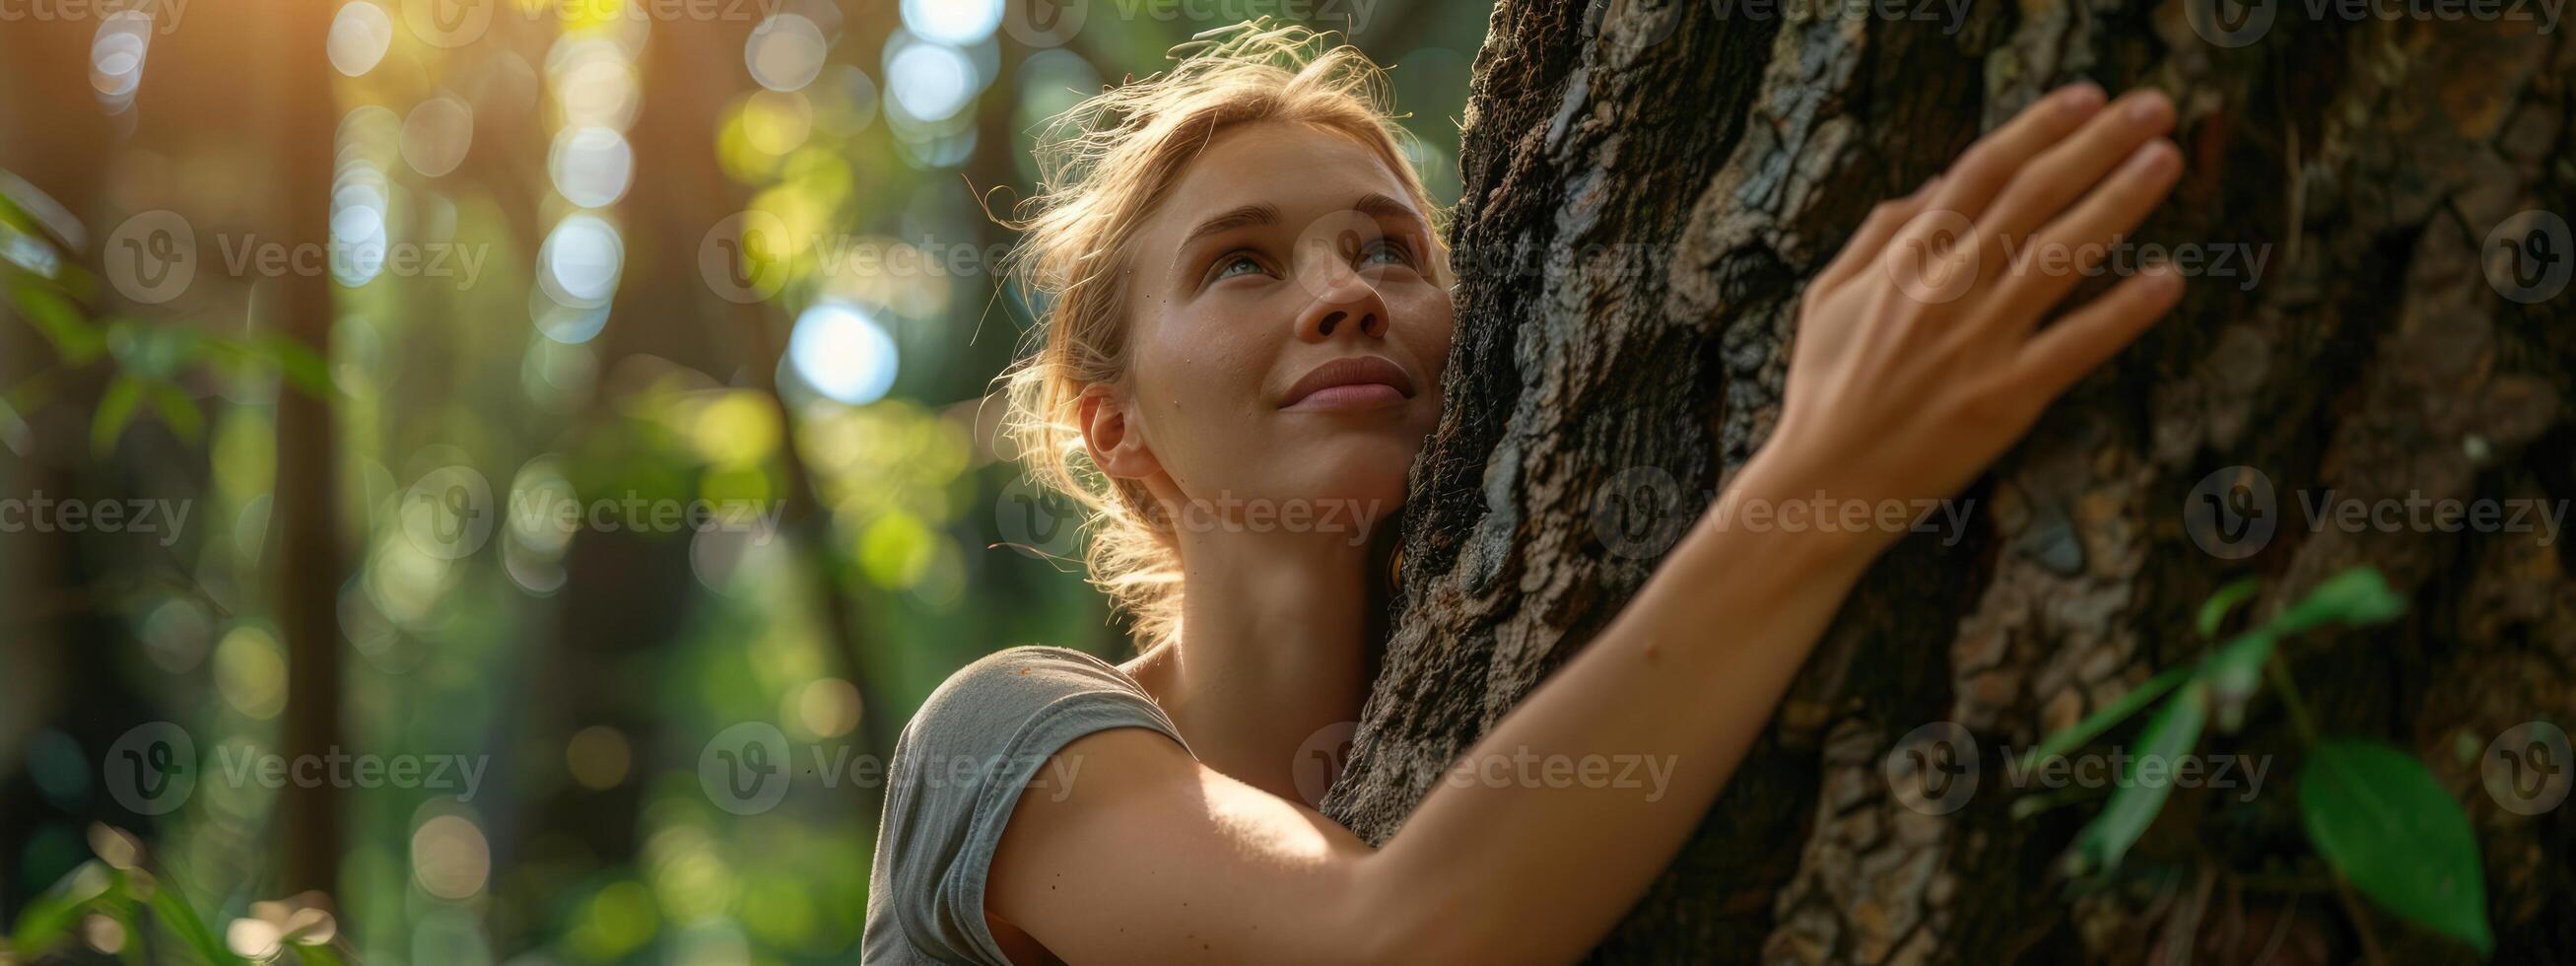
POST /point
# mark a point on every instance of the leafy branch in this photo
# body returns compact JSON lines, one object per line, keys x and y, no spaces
{"x":2373,"y":811}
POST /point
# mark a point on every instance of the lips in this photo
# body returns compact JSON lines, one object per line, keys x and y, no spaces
{"x":1349,"y":371}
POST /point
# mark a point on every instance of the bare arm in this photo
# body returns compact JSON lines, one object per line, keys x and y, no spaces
{"x":1910,"y":375}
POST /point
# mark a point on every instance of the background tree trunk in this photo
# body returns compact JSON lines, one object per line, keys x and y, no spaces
{"x":311,"y":562}
{"x":1647,"y":188}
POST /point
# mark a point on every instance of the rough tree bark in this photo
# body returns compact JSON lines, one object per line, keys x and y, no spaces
{"x":1647,"y":188}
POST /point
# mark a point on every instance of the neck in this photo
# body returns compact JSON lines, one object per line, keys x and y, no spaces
{"x":1272,"y":651}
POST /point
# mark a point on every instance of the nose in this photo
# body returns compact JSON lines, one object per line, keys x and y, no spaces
{"x":1344,"y":300}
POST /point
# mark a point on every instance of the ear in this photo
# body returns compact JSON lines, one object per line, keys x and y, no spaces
{"x":1114,"y":444}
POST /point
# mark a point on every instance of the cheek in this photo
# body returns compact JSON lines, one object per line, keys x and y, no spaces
{"x":1434,"y":330}
{"x":1200,"y":379}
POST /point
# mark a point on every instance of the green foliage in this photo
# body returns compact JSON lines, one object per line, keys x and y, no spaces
{"x":157,"y":921}
{"x":2387,"y":825}
{"x":2213,"y":612}
{"x":2169,"y":736}
{"x":173,"y":911}
{"x":2373,"y":812}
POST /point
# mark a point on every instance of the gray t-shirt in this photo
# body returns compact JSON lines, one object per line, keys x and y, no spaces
{"x":958,"y":770}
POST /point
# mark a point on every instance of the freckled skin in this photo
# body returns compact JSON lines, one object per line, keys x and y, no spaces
{"x":1210,"y":358}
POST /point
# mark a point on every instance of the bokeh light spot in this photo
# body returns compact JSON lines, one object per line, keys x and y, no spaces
{"x":785,"y":52}
{"x":842,"y":353}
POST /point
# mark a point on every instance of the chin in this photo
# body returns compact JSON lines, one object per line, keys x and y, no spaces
{"x":1365,"y":472}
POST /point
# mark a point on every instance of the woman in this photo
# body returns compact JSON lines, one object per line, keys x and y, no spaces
{"x":1251,"y":313}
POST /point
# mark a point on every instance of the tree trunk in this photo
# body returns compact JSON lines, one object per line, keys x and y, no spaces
{"x":309,"y":555}
{"x":1647,"y":189}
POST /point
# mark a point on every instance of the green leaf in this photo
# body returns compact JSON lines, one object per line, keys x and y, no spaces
{"x":317,"y":954}
{"x":2101,"y":720}
{"x":298,"y":365}
{"x":2169,"y":736}
{"x":60,"y":322}
{"x":181,"y":412}
{"x":2234,"y":672}
{"x":2213,"y":612}
{"x":174,"y":911}
{"x":2380,"y":817}
{"x":115,"y":409}
{"x":50,"y":916}
{"x":2356,"y":597}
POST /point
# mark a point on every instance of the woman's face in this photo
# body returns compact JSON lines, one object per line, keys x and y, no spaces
{"x":1290,"y":318}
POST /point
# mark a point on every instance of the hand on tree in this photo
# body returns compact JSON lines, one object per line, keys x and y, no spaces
{"x":1919,"y":357}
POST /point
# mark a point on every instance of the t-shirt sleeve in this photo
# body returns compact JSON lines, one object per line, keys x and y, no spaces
{"x":957,"y":772}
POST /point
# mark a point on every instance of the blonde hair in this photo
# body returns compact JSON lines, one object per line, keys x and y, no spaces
{"x":1101,"y":168}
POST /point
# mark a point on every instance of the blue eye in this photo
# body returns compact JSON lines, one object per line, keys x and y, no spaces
{"x":1386,"y":251}
{"x":1225,"y":268}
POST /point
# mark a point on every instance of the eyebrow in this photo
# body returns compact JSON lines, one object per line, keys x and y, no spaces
{"x":1240,"y":217}
{"x":1381,"y":206}
{"x":1373,"y":205}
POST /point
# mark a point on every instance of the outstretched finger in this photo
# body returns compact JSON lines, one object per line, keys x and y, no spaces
{"x":2119,"y":205}
{"x":2067,"y":171}
{"x":2082,"y":340}
{"x":1988,"y":165}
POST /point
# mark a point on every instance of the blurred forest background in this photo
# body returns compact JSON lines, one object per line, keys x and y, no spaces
{"x":323,"y":314}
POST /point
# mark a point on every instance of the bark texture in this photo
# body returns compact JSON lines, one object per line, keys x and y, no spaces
{"x":1647,"y":189}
